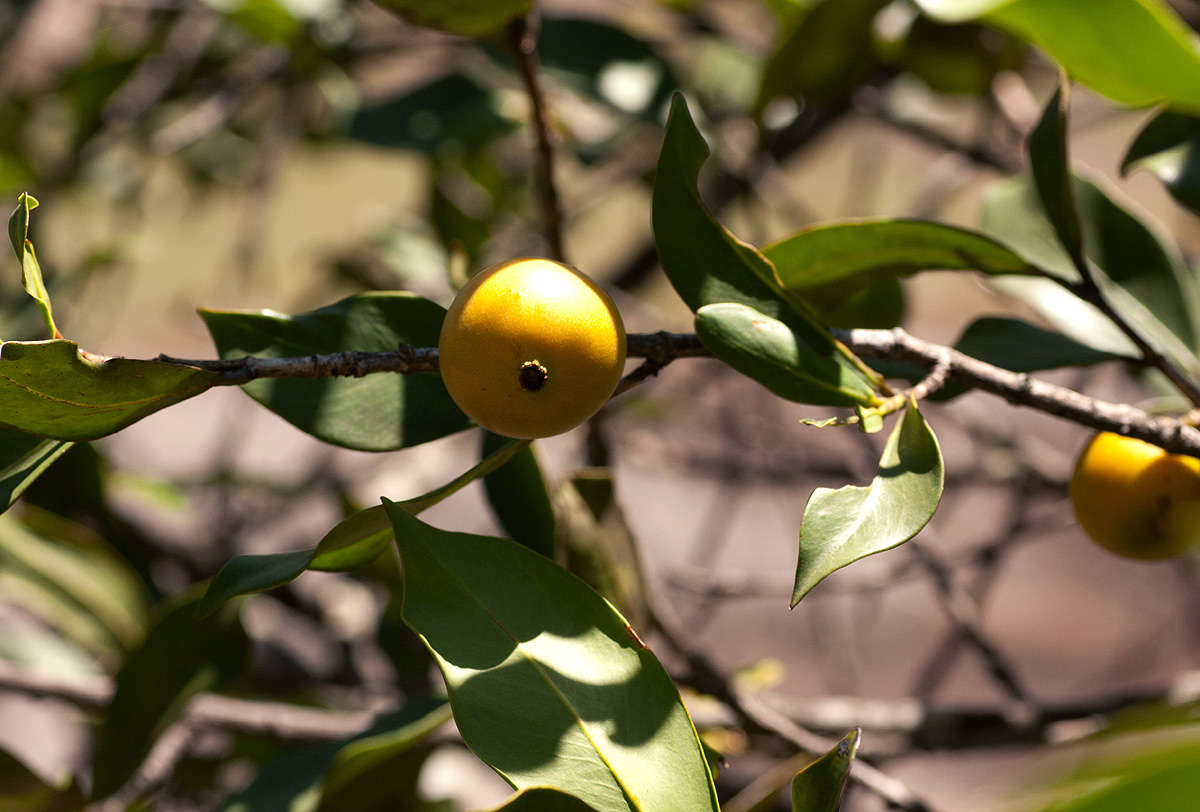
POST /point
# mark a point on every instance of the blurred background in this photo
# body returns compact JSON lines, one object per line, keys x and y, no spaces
{"x":285,"y":154}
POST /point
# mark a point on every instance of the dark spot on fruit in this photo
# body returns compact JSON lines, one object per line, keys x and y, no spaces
{"x":533,"y":376}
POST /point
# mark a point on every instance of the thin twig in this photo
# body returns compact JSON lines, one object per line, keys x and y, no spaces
{"x":522,"y":36}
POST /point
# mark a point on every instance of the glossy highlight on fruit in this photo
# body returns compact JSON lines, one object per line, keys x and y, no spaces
{"x":531,"y":348}
{"x":1136,"y":500}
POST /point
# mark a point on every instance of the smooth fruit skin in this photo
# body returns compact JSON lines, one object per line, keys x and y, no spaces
{"x":531,"y":348}
{"x":1136,"y":500}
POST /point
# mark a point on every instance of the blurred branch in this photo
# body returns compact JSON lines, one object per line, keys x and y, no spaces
{"x":522,"y":34}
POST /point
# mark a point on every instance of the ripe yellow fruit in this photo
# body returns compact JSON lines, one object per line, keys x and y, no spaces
{"x":531,"y":348}
{"x":1136,"y":500}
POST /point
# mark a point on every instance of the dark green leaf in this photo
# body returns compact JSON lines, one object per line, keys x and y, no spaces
{"x":379,"y":412}
{"x":23,"y":458}
{"x":1169,"y":146}
{"x":252,"y":573}
{"x":23,"y":790}
{"x":307,"y":779}
{"x":31,"y":272}
{"x":543,"y":799}
{"x":180,"y":657}
{"x":704,"y":262}
{"x":1137,"y":52}
{"x":768,"y":351}
{"x":825,"y":55}
{"x":549,"y":685}
{"x":518,"y":496}
{"x":819,"y":786}
{"x":471,"y":18}
{"x":840,"y":252}
{"x":873,"y":303}
{"x":1154,"y":779}
{"x":955,"y":58}
{"x":841,"y":526}
{"x":54,"y":389}
{"x":1051,"y":169}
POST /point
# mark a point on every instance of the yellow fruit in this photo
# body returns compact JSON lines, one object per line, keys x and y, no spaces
{"x":1136,"y":500}
{"x":531,"y":348}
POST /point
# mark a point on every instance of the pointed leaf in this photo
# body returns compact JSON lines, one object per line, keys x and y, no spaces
{"x":517,"y":494}
{"x":819,"y":786}
{"x":31,"y":272}
{"x":180,"y":657}
{"x":705,"y":263}
{"x":768,"y":351}
{"x":23,"y":458}
{"x":543,"y":799}
{"x":54,"y":389}
{"x":841,"y":526}
{"x":1169,"y":146}
{"x":471,"y":18}
{"x":548,"y":683}
{"x":1051,"y":170}
{"x":374,"y":413}
{"x":1138,"y":52}
{"x":840,"y":251}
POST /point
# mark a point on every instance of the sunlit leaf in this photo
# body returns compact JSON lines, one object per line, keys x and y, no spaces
{"x":548,"y":684}
{"x":180,"y":657}
{"x":819,"y":786}
{"x":380,"y":412}
{"x":1169,"y":146}
{"x":767,"y":350}
{"x":54,"y":389}
{"x":31,"y":272}
{"x":1137,"y":52}
{"x":841,"y":526}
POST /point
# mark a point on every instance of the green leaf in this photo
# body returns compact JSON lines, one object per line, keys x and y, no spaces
{"x":54,"y":389}
{"x":705,"y":263}
{"x":23,"y":458}
{"x":1155,"y":779}
{"x":840,"y":252}
{"x":470,"y":18}
{"x":825,"y":55}
{"x":1137,"y":52}
{"x":31,"y":272}
{"x":548,"y":683}
{"x":841,"y":526}
{"x":381,"y":412}
{"x":768,"y":351}
{"x":819,"y":786}
{"x":1169,"y":146}
{"x":354,"y":542}
{"x":872,"y":303}
{"x":517,"y":494}
{"x":1051,"y":169}
{"x":543,"y":799}
{"x":954,"y":58}
{"x":180,"y":657}
{"x":308,"y":779}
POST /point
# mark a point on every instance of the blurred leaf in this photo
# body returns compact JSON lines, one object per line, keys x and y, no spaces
{"x":453,"y":114}
{"x":543,"y":799}
{"x":471,"y":18}
{"x":547,"y":682}
{"x":517,"y":494}
{"x":54,"y":389}
{"x":306,"y":780}
{"x":838,"y":252}
{"x":1169,"y":146}
{"x":470,"y":196}
{"x":180,"y":657}
{"x":1137,"y":52}
{"x":599,"y":544}
{"x":955,"y":58}
{"x":706,"y":264}
{"x":352,"y":543}
{"x":85,"y":576}
{"x":827,"y":54}
{"x":819,"y":786}
{"x":23,"y":458}
{"x":768,"y":351}
{"x":31,"y":272}
{"x":841,"y":526}
{"x":267,"y":20}
{"x":1051,"y":170}
{"x":1153,"y":779}
{"x":22,"y":790}
{"x":379,"y":412}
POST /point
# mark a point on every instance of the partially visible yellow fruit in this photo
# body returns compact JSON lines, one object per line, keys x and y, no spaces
{"x":1136,"y":500}
{"x":531,"y":348}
